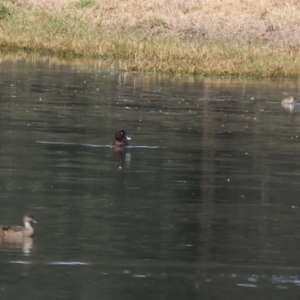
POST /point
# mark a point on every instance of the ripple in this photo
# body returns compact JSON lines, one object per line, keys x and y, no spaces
{"x":53,"y":263}
{"x":97,"y":146}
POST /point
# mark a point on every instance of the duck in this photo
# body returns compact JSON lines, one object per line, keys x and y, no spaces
{"x":289,"y":104}
{"x":288,"y":101}
{"x":8,"y":233}
{"x":121,"y":139}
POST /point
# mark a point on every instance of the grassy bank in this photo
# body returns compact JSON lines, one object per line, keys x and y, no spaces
{"x":229,"y":37}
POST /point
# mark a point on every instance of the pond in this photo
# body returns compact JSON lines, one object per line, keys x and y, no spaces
{"x":203,"y":204}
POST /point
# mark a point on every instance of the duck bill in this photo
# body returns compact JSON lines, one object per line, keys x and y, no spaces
{"x":34,"y":221}
{"x":128,"y":138}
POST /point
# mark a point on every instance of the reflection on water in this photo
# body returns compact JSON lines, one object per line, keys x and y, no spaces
{"x":25,"y":243}
{"x":204,"y":202}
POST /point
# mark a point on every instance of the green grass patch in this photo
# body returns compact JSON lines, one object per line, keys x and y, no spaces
{"x":85,"y":3}
{"x":4,"y":11}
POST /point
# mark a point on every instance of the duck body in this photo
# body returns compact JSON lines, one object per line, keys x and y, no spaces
{"x":288,"y":101}
{"x":289,"y":104}
{"x":8,"y":233}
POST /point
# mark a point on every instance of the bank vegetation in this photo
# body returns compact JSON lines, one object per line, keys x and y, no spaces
{"x":221,"y":37}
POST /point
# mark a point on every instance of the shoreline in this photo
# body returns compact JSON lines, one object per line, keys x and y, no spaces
{"x":161,"y":35}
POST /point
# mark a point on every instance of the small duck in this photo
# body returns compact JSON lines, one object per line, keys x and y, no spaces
{"x":288,"y":101}
{"x":289,"y":104}
{"x":15,"y":232}
{"x":121,"y":140}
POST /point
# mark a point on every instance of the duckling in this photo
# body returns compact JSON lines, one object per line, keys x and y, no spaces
{"x":8,"y":233}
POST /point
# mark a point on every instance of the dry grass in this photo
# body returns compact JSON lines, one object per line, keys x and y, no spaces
{"x":229,"y":37}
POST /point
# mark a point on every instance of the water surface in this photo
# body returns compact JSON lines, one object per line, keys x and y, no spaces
{"x":204,"y":204}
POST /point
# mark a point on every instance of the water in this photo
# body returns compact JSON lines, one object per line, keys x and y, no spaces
{"x":204,"y":204}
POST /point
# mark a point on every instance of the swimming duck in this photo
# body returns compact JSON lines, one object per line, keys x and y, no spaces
{"x":288,"y":101}
{"x":15,"y":232}
{"x":121,"y":140}
{"x":289,"y":104}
